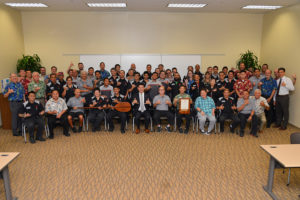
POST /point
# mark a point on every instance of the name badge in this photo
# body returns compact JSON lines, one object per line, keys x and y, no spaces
{"x":28,"y":108}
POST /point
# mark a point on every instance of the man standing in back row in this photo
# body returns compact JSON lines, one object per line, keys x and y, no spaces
{"x":284,"y":86}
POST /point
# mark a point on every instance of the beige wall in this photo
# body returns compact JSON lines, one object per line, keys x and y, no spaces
{"x":281,"y":48}
{"x":11,"y":40}
{"x":52,"y":34}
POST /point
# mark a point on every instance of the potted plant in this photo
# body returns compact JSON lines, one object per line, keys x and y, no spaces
{"x":32,"y":63}
{"x":249,"y":59}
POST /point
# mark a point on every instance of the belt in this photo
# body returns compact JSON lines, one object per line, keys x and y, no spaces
{"x":283,"y":95}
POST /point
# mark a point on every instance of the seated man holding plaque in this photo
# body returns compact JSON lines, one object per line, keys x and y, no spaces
{"x":182,"y":102}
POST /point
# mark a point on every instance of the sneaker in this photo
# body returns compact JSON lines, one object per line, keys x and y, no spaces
{"x":80,"y":129}
{"x":180,"y":130}
{"x":186,"y":131}
{"x":168,"y":128}
{"x":74,"y":130}
{"x":202,"y":131}
{"x":159,"y":129}
{"x":207,"y":133}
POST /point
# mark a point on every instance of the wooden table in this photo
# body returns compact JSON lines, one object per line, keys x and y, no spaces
{"x":5,"y":159}
{"x":286,"y":154}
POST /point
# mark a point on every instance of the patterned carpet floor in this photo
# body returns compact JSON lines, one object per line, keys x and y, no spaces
{"x":163,"y":165}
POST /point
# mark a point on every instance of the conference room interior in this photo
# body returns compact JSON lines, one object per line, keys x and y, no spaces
{"x":112,"y":164}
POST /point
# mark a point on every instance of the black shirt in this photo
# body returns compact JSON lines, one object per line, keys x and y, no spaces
{"x":53,"y":86}
{"x":219,"y":85}
{"x":213,"y":92}
{"x":227,"y":103}
{"x":31,"y":108}
{"x":114,"y":97}
{"x":70,"y":91}
{"x":230,"y":85}
{"x":195,"y":90}
{"x":175,"y":85}
{"x":113,"y":81}
{"x":125,"y":85}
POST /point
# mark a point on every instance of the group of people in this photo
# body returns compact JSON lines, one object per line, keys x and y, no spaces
{"x":239,"y":95}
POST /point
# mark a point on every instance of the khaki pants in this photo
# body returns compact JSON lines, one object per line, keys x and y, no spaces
{"x":261,"y":120}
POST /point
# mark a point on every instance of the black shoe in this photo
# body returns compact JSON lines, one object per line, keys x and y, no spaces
{"x":19,"y":133}
{"x":186,"y":131}
{"x":123,"y":131}
{"x":168,"y":128}
{"x":67,"y":134}
{"x":94,"y":129}
{"x":79,"y":129}
{"x":41,"y":139}
{"x":111,"y":130}
{"x":51,"y":136}
{"x":222,"y":130}
{"x":74,"y":130}
{"x":241,"y":134}
{"x":180,"y":130}
{"x":32,"y":141}
{"x":159,"y":129}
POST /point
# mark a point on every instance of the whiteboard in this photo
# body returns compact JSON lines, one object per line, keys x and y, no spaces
{"x":94,"y":61}
{"x":180,"y":61}
{"x":140,"y":61}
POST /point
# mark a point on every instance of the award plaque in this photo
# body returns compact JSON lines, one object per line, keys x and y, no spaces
{"x":184,"y":106}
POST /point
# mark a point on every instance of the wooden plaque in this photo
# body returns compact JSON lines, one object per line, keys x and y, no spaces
{"x":184,"y":106}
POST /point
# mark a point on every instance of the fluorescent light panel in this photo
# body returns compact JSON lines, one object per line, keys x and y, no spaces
{"x":107,"y":5}
{"x":175,"y":5}
{"x":27,"y":5}
{"x":262,"y":7}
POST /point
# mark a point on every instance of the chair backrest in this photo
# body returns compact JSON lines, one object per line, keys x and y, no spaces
{"x":295,"y":138}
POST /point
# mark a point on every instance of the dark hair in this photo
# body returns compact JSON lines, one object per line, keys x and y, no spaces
{"x":256,"y":69}
{"x":154,"y":73}
{"x":231,"y":71}
{"x":139,"y":84}
{"x":80,"y":63}
{"x":203,"y":90}
{"x":31,"y":92}
{"x":102,"y":63}
{"x":174,"y":68}
{"x":105,"y":79}
{"x":183,"y":86}
{"x":116,"y":87}
{"x":137,"y":73}
{"x":221,"y":72}
{"x":225,"y":67}
{"x":149,"y":65}
{"x":168,"y":70}
{"x":215,"y":67}
{"x":54,"y":67}
{"x":91,"y":68}
{"x":266,"y":65}
{"x":69,"y":77}
{"x":43,"y":67}
{"x":52,"y":75}
{"x":281,"y":68}
{"x":113,"y":69}
{"x":243,"y":71}
{"x":98,"y":71}
{"x":117,"y":65}
{"x":96,"y":89}
{"x":54,"y":91}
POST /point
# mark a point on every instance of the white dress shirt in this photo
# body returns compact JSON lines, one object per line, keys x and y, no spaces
{"x":285,"y":90}
{"x":142,"y":107}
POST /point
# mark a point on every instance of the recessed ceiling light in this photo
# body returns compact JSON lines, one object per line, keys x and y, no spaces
{"x":175,"y":5}
{"x":262,"y":7}
{"x":107,"y":5}
{"x":27,"y":5}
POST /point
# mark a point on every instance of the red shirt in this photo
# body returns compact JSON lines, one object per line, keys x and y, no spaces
{"x":25,"y":83}
{"x":242,"y":85}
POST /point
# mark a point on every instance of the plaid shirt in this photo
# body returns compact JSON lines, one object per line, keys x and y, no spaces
{"x":242,"y":85}
{"x":206,"y":105}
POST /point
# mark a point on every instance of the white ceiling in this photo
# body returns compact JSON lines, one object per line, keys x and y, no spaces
{"x":228,"y":6}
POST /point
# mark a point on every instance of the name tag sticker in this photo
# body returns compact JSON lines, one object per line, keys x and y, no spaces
{"x":27,"y":108}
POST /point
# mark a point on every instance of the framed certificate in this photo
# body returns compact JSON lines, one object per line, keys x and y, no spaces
{"x":184,"y":106}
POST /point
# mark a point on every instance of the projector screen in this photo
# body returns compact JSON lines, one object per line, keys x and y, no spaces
{"x":181,"y":62}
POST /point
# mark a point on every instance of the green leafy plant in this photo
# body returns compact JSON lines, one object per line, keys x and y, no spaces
{"x":249,"y":59}
{"x":32,"y":63}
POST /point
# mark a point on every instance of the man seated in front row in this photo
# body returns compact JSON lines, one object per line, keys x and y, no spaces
{"x":56,"y":108}
{"x":76,"y":104}
{"x":246,"y":109}
{"x":226,"y":105}
{"x":114,"y":100}
{"x":161,"y":103}
{"x":141,"y":107}
{"x":32,"y":112}
{"x":206,"y":110}
{"x":179,"y":116}
{"x":97,"y":114}
{"x":261,"y":105}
